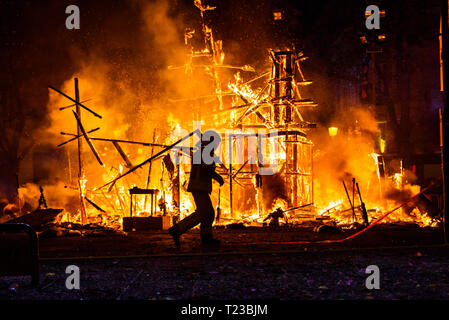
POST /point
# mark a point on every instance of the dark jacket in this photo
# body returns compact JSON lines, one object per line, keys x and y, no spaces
{"x":201,"y":176}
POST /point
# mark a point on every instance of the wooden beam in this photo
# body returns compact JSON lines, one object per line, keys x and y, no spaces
{"x":75,"y":137}
{"x":80,"y":158}
{"x":146,"y":144}
{"x":73,"y":105}
{"x":94,"y":151}
{"x":122,"y":154}
{"x":112,"y":182}
{"x":74,"y":100}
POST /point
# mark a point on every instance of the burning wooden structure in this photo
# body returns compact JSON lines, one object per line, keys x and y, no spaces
{"x":266,"y":154}
{"x":263,"y":128}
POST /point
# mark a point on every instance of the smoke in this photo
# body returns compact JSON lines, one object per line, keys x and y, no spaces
{"x":344,"y":156}
{"x":120,"y":59}
{"x":56,"y":195}
{"x":138,"y":86}
{"x":131,"y":65}
{"x":165,"y":30}
{"x":401,"y":188}
{"x":350,"y":154}
{"x":399,"y":195}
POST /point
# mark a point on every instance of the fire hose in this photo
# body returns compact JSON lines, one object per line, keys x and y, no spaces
{"x":348,"y":237}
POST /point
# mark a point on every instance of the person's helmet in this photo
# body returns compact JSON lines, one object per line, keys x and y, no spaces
{"x":206,"y":140}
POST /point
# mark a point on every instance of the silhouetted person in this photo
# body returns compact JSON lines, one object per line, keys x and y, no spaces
{"x":200,"y":185}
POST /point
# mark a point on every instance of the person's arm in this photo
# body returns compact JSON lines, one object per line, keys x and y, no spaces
{"x":217,"y":178}
{"x":214,"y":175}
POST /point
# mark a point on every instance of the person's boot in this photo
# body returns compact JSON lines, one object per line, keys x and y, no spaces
{"x":175,"y":235}
{"x":208,"y":240}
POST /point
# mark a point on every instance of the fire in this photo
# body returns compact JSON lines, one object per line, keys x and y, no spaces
{"x":331,"y":207}
{"x":244,"y":91}
{"x":275,"y":105}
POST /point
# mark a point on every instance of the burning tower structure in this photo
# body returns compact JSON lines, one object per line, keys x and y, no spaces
{"x":267,"y":122}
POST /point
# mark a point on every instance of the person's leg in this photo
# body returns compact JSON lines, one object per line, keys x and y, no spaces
{"x":193,"y":219}
{"x":188,"y":222}
{"x":207,"y":213}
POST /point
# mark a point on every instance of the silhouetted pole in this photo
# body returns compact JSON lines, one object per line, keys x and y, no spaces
{"x":80,"y":159}
{"x":444,"y":151}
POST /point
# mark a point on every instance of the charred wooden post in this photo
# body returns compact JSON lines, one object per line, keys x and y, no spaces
{"x":349,"y":199}
{"x":288,"y":85}
{"x":363,"y":208}
{"x":177,"y":187}
{"x":295,"y":167}
{"x":95,"y":205}
{"x":86,"y":137}
{"x":80,"y":159}
{"x":149,"y":171}
{"x":277,"y":89}
{"x":283,"y":65}
{"x":353,"y":201}
{"x":122,"y":154}
{"x":76,"y":102}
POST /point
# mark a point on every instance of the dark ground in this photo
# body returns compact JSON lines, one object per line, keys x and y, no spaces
{"x":413,"y":265}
